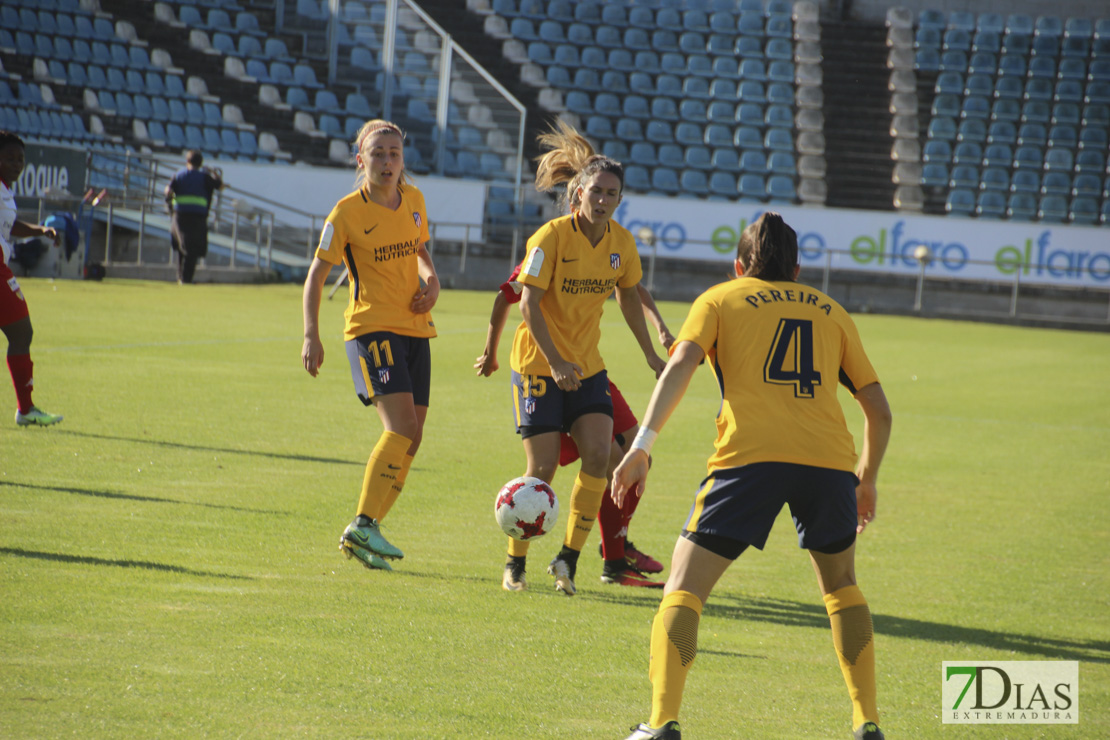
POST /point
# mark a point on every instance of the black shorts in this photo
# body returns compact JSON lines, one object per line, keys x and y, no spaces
{"x":742,"y":504}
{"x":189,"y":232}
{"x":539,"y":405}
{"x":383,"y":362}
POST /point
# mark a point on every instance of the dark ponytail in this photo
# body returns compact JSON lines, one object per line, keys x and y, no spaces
{"x":768,"y":249}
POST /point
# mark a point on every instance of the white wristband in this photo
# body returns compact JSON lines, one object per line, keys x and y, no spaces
{"x":645,"y":438}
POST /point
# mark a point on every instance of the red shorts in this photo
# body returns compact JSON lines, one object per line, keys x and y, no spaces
{"x":13,"y":307}
{"x":623,"y":420}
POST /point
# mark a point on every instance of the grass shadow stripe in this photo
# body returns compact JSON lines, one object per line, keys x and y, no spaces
{"x":206,"y":448}
{"x":89,"y":560}
{"x":136,"y":497}
{"x":798,"y":614}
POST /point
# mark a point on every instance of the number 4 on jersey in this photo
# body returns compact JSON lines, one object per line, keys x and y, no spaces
{"x":790,"y":359}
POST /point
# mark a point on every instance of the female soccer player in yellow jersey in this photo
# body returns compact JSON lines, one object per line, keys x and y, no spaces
{"x":380,"y":233}
{"x":778,"y":349}
{"x":573,"y":263}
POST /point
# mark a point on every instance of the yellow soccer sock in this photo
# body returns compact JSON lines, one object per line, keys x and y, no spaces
{"x":395,"y":489}
{"x":518,"y":548}
{"x":585,"y":501}
{"x":855,"y":649}
{"x":674,"y":645}
{"x":386,"y":461}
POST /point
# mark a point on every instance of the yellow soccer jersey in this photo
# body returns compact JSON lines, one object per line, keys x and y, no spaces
{"x":379,"y":247}
{"x":779,"y":349}
{"x":577,"y":279}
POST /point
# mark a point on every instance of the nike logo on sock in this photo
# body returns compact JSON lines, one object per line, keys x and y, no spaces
{"x":393,"y":467}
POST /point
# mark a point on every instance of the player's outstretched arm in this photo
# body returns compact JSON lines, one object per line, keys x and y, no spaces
{"x":486,"y":363}
{"x":567,"y":375}
{"x":651,"y":313}
{"x":312,"y":352}
{"x":630,"y":475}
{"x":426,"y":297}
{"x":876,"y":435}
{"x":632,"y":309}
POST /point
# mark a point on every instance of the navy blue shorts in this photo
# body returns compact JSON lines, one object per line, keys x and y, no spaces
{"x":742,"y":503}
{"x":383,"y":362}
{"x":539,"y":405}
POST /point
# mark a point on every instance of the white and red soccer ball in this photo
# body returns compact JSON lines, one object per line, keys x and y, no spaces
{"x":526,"y":508}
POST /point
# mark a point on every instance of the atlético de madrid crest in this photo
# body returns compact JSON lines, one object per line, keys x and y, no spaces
{"x":416,"y":219}
{"x":614,"y":261}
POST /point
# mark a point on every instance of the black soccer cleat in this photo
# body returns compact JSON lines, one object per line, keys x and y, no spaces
{"x":868,"y":731}
{"x":669,"y":731}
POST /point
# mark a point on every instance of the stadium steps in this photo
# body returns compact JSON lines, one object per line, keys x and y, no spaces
{"x":209,"y":67}
{"x":466,"y":29}
{"x":857,"y":116}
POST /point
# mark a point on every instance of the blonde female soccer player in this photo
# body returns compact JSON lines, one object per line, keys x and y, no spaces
{"x":573,"y":264}
{"x":625,"y":564}
{"x":380,"y":232}
{"x":778,"y":350}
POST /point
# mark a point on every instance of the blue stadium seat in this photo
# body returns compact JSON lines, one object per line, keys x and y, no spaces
{"x":663,"y":40}
{"x":960,"y":202}
{"x":1021,"y":207}
{"x":688,"y":133}
{"x":1027,"y":156}
{"x":976,"y":106}
{"x":1057,"y":159}
{"x":599,"y":127}
{"x":934,"y":175}
{"x":665,"y":180}
{"x":990,"y":204}
{"x":1084,"y":211}
{"x":779,"y":116}
{"x":967,"y":152}
{"x":1094,"y":138}
{"x":1026,"y":181}
{"x":942,"y":128}
{"x":1086,"y":185}
{"x":607,"y":104}
{"x":696,"y":88}
{"x":720,"y":111}
{"x":1063,"y":136}
{"x":722,"y":185}
{"x":1056,"y":183}
{"x":936,"y":150}
{"x":692,"y":109}
{"x":1090,"y":161}
{"x":694,"y":182}
{"x":1017,"y":44}
{"x":753,"y":69}
{"x":986,"y":41}
{"x":953,"y":61}
{"x":1032,"y":133}
{"x":643,"y":153}
{"x":1053,"y":208}
{"x":1098,"y":92}
{"x":781,"y":188}
{"x":754,"y":161}
{"x":629,"y":129}
{"x":608,"y":37}
{"x":664,"y":108}
{"x":659,"y":132}
{"x":637,"y":178}
{"x":998,"y":155}
{"x":956,"y":39}
{"x":1012,"y":88}
{"x":747,"y":137}
{"x":751,"y":187}
{"x":586,"y":78}
{"x":1001,"y":132}
{"x":964,"y":176}
{"x":1035,"y":111}
{"x":996,"y":178}
{"x":1019,"y":23}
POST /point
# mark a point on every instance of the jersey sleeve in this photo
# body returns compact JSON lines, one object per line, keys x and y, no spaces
{"x":856,"y":370}
{"x":512,"y":288}
{"x":333,"y":238}
{"x":420,"y":214}
{"x":634,"y":270}
{"x":538,"y":267}
{"x":702,"y":325}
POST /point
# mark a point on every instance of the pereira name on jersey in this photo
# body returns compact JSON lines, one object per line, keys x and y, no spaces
{"x":761,"y":297}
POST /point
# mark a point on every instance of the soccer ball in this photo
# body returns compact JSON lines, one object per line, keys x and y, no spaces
{"x":526,"y":508}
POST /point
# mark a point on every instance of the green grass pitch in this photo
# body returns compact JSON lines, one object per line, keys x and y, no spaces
{"x":168,"y":561}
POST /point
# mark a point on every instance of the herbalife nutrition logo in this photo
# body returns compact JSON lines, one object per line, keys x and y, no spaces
{"x":1010,"y":692}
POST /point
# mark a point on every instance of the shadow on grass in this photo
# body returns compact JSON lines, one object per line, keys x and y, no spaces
{"x":205,"y":448}
{"x":134,"y":497}
{"x":87,"y":560}
{"x":798,"y":614}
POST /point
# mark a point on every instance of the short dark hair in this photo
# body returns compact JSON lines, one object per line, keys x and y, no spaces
{"x":768,"y":248}
{"x":194,"y":157}
{"x":7,"y":138}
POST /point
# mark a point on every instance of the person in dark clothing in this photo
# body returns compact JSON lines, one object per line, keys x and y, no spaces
{"x":189,"y":194}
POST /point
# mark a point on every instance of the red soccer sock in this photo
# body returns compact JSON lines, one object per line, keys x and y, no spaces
{"x":631,"y":501}
{"x":611,"y":522}
{"x":21,"y":368}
